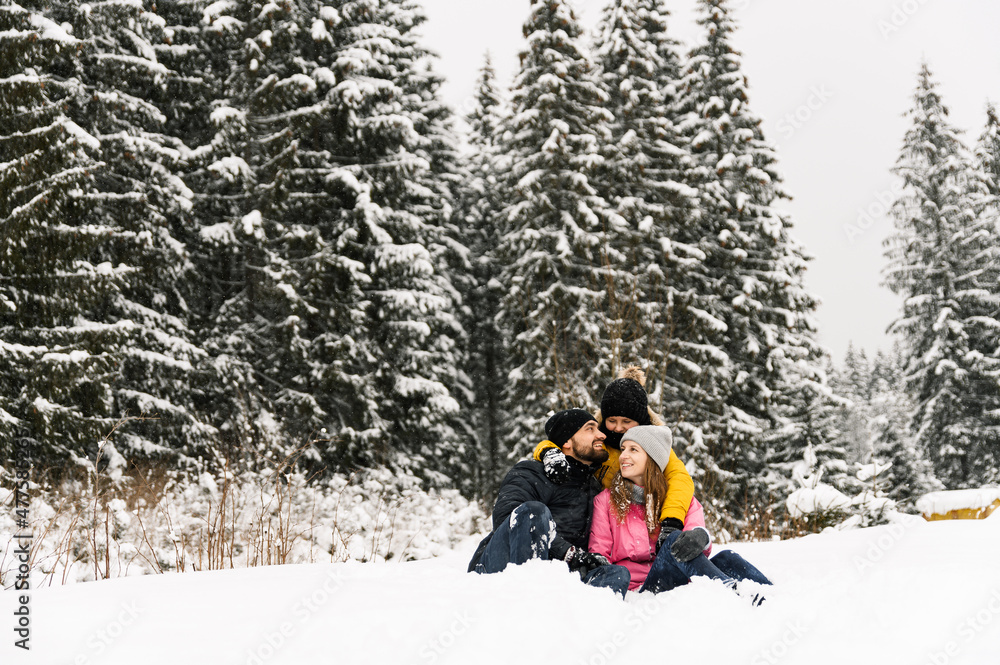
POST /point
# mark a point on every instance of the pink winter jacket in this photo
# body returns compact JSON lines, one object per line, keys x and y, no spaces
{"x":630,"y":544}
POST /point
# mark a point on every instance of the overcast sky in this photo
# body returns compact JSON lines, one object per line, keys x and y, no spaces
{"x":831,"y":81}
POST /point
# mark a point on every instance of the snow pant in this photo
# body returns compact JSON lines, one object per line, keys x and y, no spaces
{"x":527,"y":535}
{"x":668,"y":573}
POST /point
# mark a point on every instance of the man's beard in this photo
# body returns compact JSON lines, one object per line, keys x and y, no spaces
{"x":589,"y":454}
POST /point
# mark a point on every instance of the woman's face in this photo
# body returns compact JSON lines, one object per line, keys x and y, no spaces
{"x":619,"y":424}
{"x":633,"y":462}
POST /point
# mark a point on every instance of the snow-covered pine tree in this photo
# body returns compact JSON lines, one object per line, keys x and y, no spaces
{"x":875,"y":429}
{"x":988,"y":153}
{"x":909,"y":475}
{"x":807,"y":415}
{"x":150,"y":207}
{"x":555,"y":226}
{"x":45,"y":162}
{"x":199,"y":68}
{"x":854,"y":381}
{"x":753,"y":267}
{"x":405,"y":152}
{"x":96,"y":283}
{"x":195,"y":50}
{"x":248,"y":301}
{"x":203,"y":47}
{"x":942,"y":259}
{"x":987,"y":160}
{"x":481,"y":203}
{"x":656,"y":314}
{"x":328,"y":176}
{"x":306,"y":202}
{"x":888,"y":366}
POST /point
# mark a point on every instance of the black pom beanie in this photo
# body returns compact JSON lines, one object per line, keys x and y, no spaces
{"x":625,"y":398}
{"x":561,"y":427}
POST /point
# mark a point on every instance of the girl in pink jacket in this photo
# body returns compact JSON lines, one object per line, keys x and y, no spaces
{"x":626,"y":527}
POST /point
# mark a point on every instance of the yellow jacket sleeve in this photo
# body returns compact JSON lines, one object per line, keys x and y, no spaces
{"x":680,"y":489}
{"x":540,"y":448}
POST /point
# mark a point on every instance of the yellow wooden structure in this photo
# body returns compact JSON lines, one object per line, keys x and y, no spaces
{"x":959,"y":504}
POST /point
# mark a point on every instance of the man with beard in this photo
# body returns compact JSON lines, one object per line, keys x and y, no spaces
{"x":540,"y":517}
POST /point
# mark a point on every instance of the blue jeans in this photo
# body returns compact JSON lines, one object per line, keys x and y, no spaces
{"x":530,"y":538}
{"x":668,"y":573}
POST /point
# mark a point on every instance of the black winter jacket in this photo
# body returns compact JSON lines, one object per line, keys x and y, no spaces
{"x":571,"y":503}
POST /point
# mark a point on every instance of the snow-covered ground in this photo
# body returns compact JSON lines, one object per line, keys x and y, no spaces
{"x":903,"y":594}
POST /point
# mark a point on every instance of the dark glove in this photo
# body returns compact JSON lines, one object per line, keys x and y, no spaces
{"x":584,"y":561}
{"x":667,"y":527}
{"x":556,"y":465}
{"x":690,"y":544}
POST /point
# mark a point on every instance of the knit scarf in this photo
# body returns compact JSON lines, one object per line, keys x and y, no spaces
{"x":638,"y":495}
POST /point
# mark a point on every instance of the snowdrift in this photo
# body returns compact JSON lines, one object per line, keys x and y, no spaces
{"x":909,"y":593}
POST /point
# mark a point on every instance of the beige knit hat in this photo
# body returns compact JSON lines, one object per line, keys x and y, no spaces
{"x":656,"y":441}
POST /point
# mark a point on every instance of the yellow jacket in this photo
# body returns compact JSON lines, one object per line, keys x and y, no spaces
{"x":680,"y":486}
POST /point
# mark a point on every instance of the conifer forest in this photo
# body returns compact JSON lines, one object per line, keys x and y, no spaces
{"x":250,"y":234}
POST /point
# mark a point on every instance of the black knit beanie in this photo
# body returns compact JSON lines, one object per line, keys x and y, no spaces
{"x":561,"y":427}
{"x":625,"y":398}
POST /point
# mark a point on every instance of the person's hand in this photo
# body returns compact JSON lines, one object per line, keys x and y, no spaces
{"x":584,"y":561}
{"x":556,"y":465}
{"x":690,"y":544}
{"x":667,"y":527}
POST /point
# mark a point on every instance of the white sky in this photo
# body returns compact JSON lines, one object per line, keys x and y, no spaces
{"x":854,"y":61}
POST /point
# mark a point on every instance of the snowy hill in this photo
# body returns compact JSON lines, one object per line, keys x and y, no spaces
{"x":914,"y":593}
